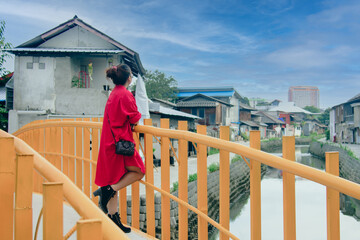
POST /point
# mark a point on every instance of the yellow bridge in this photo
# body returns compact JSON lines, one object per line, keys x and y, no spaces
{"x":57,"y":158}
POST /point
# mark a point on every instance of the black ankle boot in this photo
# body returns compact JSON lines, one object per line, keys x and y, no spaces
{"x":116,"y":220}
{"x":105,"y":194}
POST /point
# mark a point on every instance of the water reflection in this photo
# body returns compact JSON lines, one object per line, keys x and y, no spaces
{"x":310,"y":207}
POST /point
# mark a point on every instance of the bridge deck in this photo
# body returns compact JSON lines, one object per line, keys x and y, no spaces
{"x":70,"y":219}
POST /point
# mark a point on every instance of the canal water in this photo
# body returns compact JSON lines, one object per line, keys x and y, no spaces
{"x":310,"y":200}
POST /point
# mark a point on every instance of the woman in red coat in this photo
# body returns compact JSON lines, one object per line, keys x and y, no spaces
{"x":114,"y":171}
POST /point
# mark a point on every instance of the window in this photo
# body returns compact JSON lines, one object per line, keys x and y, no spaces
{"x":201,"y":112}
{"x":29,"y":65}
{"x":194,"y":111}
{"x":41,"y":65}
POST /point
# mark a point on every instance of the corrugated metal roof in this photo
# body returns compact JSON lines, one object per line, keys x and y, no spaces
{"x":157,"y":108}
{"x":211,"y":94}
{"x":64,"y":50}
{"x":196,"y":104}
{"x":2,"y":94}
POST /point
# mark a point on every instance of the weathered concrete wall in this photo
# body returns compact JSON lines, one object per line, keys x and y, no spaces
{"x":349,"y":168}
{"x":239,"y":189}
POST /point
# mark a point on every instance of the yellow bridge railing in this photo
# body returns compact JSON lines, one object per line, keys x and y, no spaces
{"x":71,"y":147}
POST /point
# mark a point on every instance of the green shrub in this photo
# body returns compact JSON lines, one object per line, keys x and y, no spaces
{"x":236,"y":158}
{"x":213,"y":167}
{"x":244,"y":136}
{"x":192,"y":177}
{"x":213,"y":151}
{"x":174,"y":187}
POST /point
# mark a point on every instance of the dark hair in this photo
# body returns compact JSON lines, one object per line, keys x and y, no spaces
{"x":118,"y":74}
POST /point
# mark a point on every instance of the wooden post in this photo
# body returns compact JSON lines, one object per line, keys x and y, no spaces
{"x":183,"y":182}
{"x":255,"y":189}
{"x":288,"y":144}
{"x":332,"y":198}
{"x":165,"y":182}
{"x":23,"y":197}
{"x":7,"y":187}
{"x":224,"y":198}
{"x":78,"y":162}
{"x":89,"y":229}
{"x":149,"y":177}
{"x":202,"y":185}
{"x":53,"y":211}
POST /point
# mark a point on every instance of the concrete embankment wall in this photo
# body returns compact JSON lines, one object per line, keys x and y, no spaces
{"x":239,"y":189}
{"x":349,"y":168}
{"x":271,"y":146}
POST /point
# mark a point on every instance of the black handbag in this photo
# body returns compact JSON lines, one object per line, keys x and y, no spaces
{"x":123,"y":147}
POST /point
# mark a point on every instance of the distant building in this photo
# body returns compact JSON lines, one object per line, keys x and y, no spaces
{"x":304,"y":96}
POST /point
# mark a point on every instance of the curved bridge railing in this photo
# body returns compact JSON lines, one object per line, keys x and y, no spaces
{"x":72,"y":147}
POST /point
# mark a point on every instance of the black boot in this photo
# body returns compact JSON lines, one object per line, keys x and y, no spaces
{"x":105,"y":194}
{"x":116,"y":220}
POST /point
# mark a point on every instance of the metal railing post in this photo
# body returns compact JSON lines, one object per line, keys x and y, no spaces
{"x":165,"y":182}
{"x":332,"y":198}
{"x":183,"y":182}
{"x":288,"y":144}
{"x":255,"y":189}
{"x":89,"y":229}
{"x":149,"y":177}
{"x":224,"y":198}
{"x":135,"y":192}
{"x":53,"y":211}
{"x":202,"y":185}
{"x":23,"y":197}
{"x":7,"y":187}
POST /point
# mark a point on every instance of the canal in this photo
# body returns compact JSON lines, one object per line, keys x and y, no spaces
{"x":310,"y":207}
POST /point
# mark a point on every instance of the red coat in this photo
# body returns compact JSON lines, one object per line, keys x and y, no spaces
{"x":122,"y":111}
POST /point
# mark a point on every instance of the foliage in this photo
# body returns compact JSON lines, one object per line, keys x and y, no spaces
{"x":213,"y":151}
{"x":175,"y":187}
{"x":3,"y":119}
{"x":327,"y":134}
{"x":271,"y":139}
{"x":324,"y":117}
{"x":3,"y":45}
{"x":244,"y":136}
{"x":236,"y":158}
{"x":76,"y":83}
{"x":213,"y":167}
{"x":158,"y":85}
{"x":312,"y":109}
{"x":192,"y":177}
{"x":349,"y":152}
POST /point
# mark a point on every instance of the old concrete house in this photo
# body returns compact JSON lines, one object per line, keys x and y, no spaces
{"x":211,"y":111}
{"x":225,"y":94}
{"x":60,"y":73}
{"x":345,"y":121}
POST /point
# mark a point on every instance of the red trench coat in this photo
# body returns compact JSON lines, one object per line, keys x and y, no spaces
{"x":122,"y":111}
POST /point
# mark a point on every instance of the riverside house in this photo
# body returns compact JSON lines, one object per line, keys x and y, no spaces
{"x":345,"y":121}
{"x":60,"y":73}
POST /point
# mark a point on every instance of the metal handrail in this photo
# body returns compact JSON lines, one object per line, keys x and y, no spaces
{"x":340,"y":184}
{"x":76,"y":198}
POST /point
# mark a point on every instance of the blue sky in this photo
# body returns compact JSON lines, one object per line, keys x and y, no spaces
{"x":259,"y":47}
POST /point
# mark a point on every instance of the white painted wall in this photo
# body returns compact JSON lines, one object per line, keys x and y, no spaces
{"x":332,"y":124}
{"x":75,"y":38}
{"x":34,"y":89}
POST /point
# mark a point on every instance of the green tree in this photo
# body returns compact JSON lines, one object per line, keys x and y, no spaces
{"x":158,"y":85}
{"x":312,"y":109}
{"x":3,"y":46}
{"x":325,"y":117}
